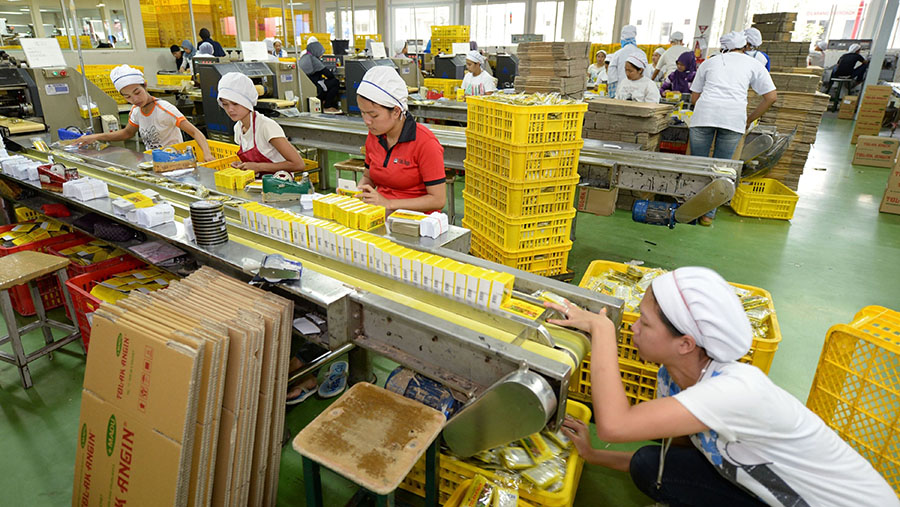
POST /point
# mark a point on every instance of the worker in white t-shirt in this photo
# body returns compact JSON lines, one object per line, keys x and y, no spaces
{"x":157,"y":121}
{"x":666,"y":64}
{"x":748,"y":442}
{"x":477,"y":81}
{"x":263,"y":146}
{"x":616,"y":70}
{"x":719,"y":92}
{"x":652,"y":73}
{"x":638,"y":86}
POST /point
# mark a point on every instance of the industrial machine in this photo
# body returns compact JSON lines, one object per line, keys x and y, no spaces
{"x":18,"y":94}
{"x":505,"y":69}
{"x":449,"y":67}
{"x":354,"y":70}
{"x":409,"y":71}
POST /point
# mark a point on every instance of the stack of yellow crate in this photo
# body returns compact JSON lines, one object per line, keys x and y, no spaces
{"x":99,"y":75}
{"x":443,"y":37}
{"x":151,"y":26}
{"x":521,"y":175}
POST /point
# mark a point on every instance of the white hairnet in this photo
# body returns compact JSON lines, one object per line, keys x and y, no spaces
{"x":754,"y":37}
{"x":311,"y":40}
{"x":475,"y":56}
{"x":676,"y":36}
{"x":277,"y":41}
{"x":205,"y":49}
{"x":600,"y":51}
{"x":629,"y":32}
{"x":733,"y":40}
{"x":637,"y":62}
{"x":659,"y":51}
{"x":382,"y":85}
{"x":854,"y":48}
{"x":239,"y":89}
{"x":125,"y":75}
{"x":822,"y":45}
{"x":700,"y":303}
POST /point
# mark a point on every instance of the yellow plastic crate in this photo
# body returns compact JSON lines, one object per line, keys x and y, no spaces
{"x":171,"y":79}
{"x":526,"y":163}
{"x":323,"y":38}
{"x":99,"y":75}
{"x":85,"y":42}
{"x":24,"y":214}
{"x":761,"y":354}
{"x":545,"y":261}
{"x":515,"y":124}
{"x":456,"y":499}
{"x":454,"y":472}
{"x":856,"y":387}
{"x":764,"y":198}
{"x":451,"y":31}
{"x":446,"y":87}
{"x":517,"y":235}
{"x":359,"y":41}
{"x":520,"y":199}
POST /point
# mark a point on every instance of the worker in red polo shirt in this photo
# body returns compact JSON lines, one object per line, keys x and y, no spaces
{"x":404,"y":161}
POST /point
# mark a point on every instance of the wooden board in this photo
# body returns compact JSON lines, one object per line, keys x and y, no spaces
{"x":629,"y":108}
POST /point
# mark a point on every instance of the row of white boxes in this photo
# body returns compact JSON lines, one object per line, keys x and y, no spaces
{"x":472,"y":284}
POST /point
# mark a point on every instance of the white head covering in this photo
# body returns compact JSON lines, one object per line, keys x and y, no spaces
{"x":629,"y":32}
{"x":637,"y":62}
{"x":676,"y":36}
{"x":733,"y":40}
{"x":754,"y":37}
{"x":475,"y":56}
{"x":659,"y":51}
{"x":311,"y":40}
{"x":700,"y":303}
{"x":822,"y":45}
{"x":237,"y":88}
{"x":600,"y":51}
{"x":277,"y":41}
{"x":854,"y":48}
{"x":384,"y":86}
{"x":205,"y":49}
{"x":125,"y":75}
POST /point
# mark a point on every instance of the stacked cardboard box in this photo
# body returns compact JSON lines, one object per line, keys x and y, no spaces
{"x":871,"y":111}
{"x":890,"y":203}
{"x":802,"y":111}
{"x":559,"y":67}
{"x":792,"y":82}
{"x":785,"y":55}
{"x":876,"y":151}
{"x":183,"y":397}
{"x":625,"y":121}
{"x":775,"y":26}
{"x":848,"y":107}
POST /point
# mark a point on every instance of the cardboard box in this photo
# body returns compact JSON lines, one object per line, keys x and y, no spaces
{"x":890,"y":203}
{"x":877,"y":92}
{"x":847,"y":107}
{"x":876,"y":151}
{"x":598,"y":201}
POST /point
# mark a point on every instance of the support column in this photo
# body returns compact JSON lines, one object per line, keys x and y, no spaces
{"x":464,"y":16}
{"x":879,"y":45}
{"x":570,"y":7}
{"x":107,"y":21}
{"x":381,"y":11}
{"x":735,"y":16}
{"x":530,"y":15}
{"x":872,"y":20}
{"x":623,"y":16}
{"x":242,"y":21}
{"x":36,"y":19}
{"x":702,"y":29}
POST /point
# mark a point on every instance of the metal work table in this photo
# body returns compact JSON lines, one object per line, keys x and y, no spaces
{"x":450,"y":110}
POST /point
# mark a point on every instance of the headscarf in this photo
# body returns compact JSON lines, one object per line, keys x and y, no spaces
{"x":854,"y":48}
{"x":629,"y":35}
{"x":822,"y":45}
{"x":754,"y":37}
{"x":637,"y":62}
{"x":205,"y":49}
{"x":382,"y":85}
{"x":733,"y":40}
{"x":188,"y":47}
{"x":700,"y":303}
{"x":681,"y":81}
{"x":239,"y":89}
{"x":125,"y":75}
{"x":676,"y":36}
{"x":311,"y":62}
{"x":475,"y":56}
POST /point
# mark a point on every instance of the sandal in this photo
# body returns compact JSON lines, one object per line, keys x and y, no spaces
{"x":336,"y":381}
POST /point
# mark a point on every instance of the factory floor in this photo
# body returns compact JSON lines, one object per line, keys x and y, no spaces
{"x":836,"y":256}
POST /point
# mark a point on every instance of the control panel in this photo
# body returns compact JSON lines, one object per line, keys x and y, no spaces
{"x":55,"y":72}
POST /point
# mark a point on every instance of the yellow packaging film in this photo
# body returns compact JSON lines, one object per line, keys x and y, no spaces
{"x":371,"y":218}
{"x":479,"y":493}
{"x":536,"y":447}
{"x":139,"y":200}
{"x":347,"y":192}
{"x":522,"y":309}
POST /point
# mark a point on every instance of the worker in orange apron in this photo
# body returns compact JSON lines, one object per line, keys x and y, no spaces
{"x":264,"y":148}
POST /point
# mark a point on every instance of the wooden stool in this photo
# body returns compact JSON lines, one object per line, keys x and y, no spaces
{"x":353,"y":165}
{"x":372,"y":437}
{"x":27,"y":267}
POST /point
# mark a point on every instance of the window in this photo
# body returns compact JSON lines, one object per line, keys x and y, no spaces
{"x":594,"y":21}
{"x":219,"y":19}
{"x":549,"y":20}
{"x":493,"y":24}
{"x":416,"y":23}
{"x":652,"y":19}
{"x":100,"y":24}
{"x":816,"y":20}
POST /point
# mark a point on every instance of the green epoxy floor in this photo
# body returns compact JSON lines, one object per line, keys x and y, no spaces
{"x":837,"y":255}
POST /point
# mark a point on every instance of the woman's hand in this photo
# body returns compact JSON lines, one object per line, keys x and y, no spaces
{"x":248,"y":166}
{"x":576,"y":317}
{"x":88,"y":139}
{"x":579,"y":434}
{"x":369,"y":195}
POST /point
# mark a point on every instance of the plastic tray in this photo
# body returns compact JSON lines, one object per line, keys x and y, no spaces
{"x":451,"y":31}
{"x":76,"y":269}
{"x":520,"y":199}
{"x":517,"y":235}
{"x":545,"y":262}
{"x":856,"y":387}
{"x":454,"y":472}
{"x":764,"y":198}
{"x":525,"y":163}
{"x":518,"y":125}
{"x":172,"y":79}
{"x":359,"y":41}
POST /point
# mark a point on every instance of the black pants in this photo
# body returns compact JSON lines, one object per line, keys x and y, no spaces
{"x":329,"y":94}
{"x":688,"y":479}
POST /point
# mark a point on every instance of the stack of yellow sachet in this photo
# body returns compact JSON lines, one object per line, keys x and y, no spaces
{"x":144,"y":280}
{"x":91,"y":253}
{"x":234,"y":179}
{"x":349,"y":212}
{"x":30,"y":232}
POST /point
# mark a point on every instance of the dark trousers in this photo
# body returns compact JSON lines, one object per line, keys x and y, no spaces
{"x":329,"y":93}
{"x":688,"y":479}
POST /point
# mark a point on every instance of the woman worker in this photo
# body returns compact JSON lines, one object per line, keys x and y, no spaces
{"x":279,"y":49}
{"x":263,"y":145}
{"x":404,"y":160}
{"x":637,"y":87}
{"x":187,"y":56}
{"x":681,"y":79}
{"x":656,"y":69}
{"x":617,"y":60}
{"x":597,"y":70}
{"x":750,"y":442}
{"x":477,"y":81}
{"x":327,"y":86}
{"x":159,"y":122}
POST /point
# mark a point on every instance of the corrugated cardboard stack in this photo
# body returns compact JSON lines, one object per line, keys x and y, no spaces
{"x":871,"y":111}
{"x":626,"y":121}
{"x":183,"y":398}
{"x":546,"y":67}
{"x":786,"y":56}
{"x":794,"y":82}
{"x":775,"y":26}
{"x":793,"y":109}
